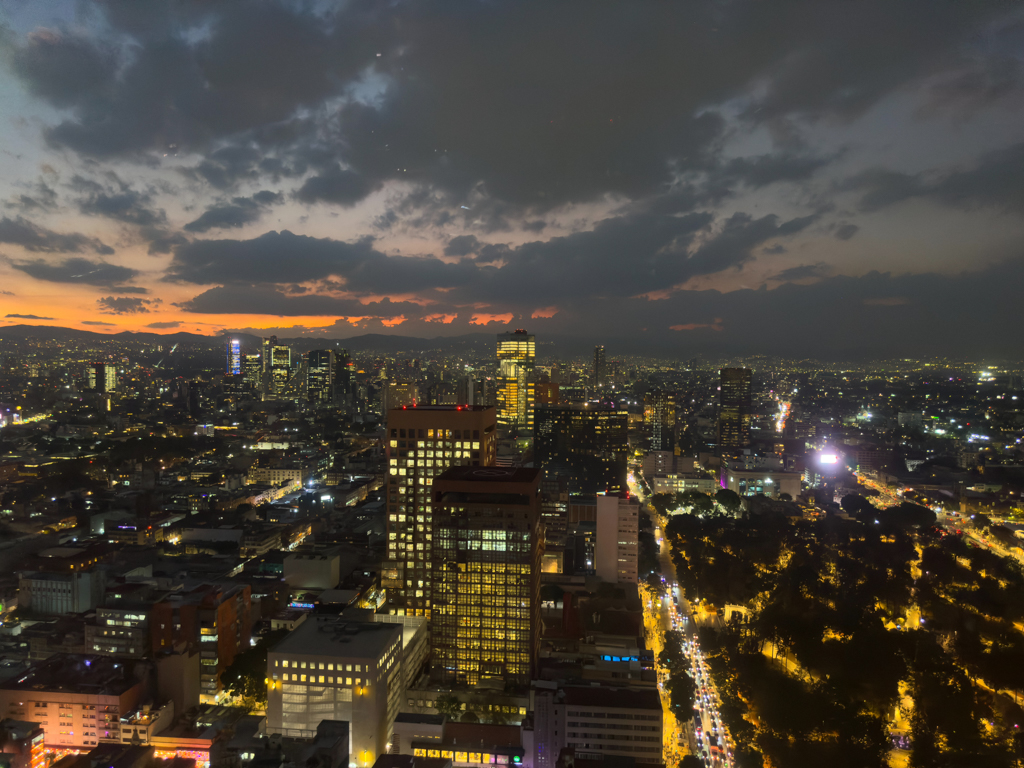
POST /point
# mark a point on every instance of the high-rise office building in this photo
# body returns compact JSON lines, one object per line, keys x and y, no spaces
{"x":485,"y":620}
{"x":586,"y":443}
{"x":515,"y":396}
{"x":234,"y":367}
{"x":277,"y":365}
{"x":252,"y":370}
{"x":600,"y":375}
{"x":660,"y":419}
{"x":102,"y":377}
{"x":321,"y":374}
{"x":735,"y":412}
{"x":423,"y":441}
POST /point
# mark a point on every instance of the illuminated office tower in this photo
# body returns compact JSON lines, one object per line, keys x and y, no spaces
{"x":734,"y":415}
{"x":660,"y":419}
{"x":586,"y":444}
{"x":422,"y":442}
{"x":234,"y":357}
{"x":252,"y":368}
{"x":599,"y":367}
{"x":515,"y":395}
{"x":485,"y":622}
{"x":321,"y":372}
{"x":102,"y":377}
{"x":277,"y":364}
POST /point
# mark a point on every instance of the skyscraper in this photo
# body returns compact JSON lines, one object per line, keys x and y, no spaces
{"x":515,"y":395}
{"x":321,"y":375}
{"x":102,"y":377}
{"x":277,"y":363}
{"x":734,"y":415}
{"x":660,"y":419}
{"x":423,"y":441}
{"x":485,"y":622}
{"x":599,"y":367}
{"x":618,"y":538}
{"x":234,"y":367}
{"x":252,"y":368}
{"x":587,"y":444}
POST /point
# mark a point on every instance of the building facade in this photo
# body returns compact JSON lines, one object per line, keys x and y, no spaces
{"x":234,"y":361}
{"x":488,"y":544}
{"x":332,"y":669}
{"x":587,"y":444}
{"x":78,"y":700}
{"x":598,"y":723}
{"x":321,"y":374}
{"x":660,"y":419}
{"x":422,"y":442}
{"x":618,"y":539}
{"x":735,"y":412}
{"x":215,"y":618}
{"x":515,"y":382}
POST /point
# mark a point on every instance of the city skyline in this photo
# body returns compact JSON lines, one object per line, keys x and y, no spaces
{"x":843,"y":174}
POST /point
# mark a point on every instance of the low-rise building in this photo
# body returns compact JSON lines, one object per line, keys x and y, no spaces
{"x":598,"y":722}
{"x":77,"y":699}
{"x":333,"y":669}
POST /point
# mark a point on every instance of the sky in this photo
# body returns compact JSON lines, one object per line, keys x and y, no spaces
{"x":799,"y":178}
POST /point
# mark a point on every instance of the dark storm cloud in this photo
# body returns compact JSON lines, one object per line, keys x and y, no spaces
{"x":255,"y":64}
{"x":993,"y":182}
{"x":276,"y":257}
{"x":76,"y":270}
{"x":335,"y":185}
{"x":28,"y":317}
{"x":64,"y":69}
{"x":483,"y":99}
{"x":123,"y":305}
{"x":32,"y":237}
{"x":239,"y":212}
{"x":463,"y":245}
{"x":624,"y":255}
{"x":268,"y":300}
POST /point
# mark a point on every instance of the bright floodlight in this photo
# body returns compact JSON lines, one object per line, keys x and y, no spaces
{"x":829,"y":458}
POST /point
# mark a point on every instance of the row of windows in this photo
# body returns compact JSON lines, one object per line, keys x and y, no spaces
{"x":432,"y":434}
{"x":328,"y":667}
{"x":611,"y":715}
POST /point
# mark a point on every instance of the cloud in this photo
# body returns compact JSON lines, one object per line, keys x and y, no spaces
{"x":32,"y":237}
{"x":802,"y":272}
{"x":268,"y":300}
{"x":239,"y":212}
{"x":165,"y":324}
{"x":78,"y":270}
{"x":126,"y":205}
{"x":714,"y":326}
{"x":845,"y":231}
{"x":66,"y":70}
{"x":97,"y":322}
{"x":29,"y":317}
{"x":335,"y":185}
{"x":993,"y":182}
{"x":123,"y":305}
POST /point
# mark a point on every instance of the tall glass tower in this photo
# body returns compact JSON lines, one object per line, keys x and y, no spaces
{"x":234,"y":357}
{"x":515,"y":382}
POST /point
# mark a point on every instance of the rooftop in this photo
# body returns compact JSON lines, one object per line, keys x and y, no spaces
{"x":489,"y":474}
{"x":75,"y":673}
{"x":611,"y":698}
{"x":331,"y":636}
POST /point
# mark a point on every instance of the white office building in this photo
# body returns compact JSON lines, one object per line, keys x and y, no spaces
{"x":332,"y":669}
